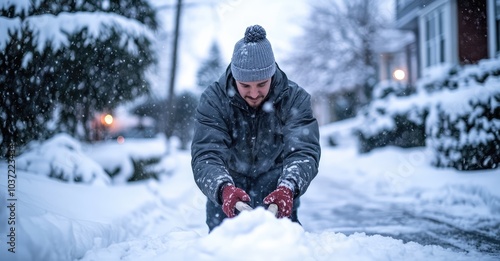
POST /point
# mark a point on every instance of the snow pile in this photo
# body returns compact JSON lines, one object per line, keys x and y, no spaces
{"x":257,"y":235}
{"x":55,"y":30}
{"x":464,"y":129}
{"x":253,"y":235}
{"x":62,"y":157}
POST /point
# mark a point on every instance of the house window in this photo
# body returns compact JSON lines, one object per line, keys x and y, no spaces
{"x":435,"y":37}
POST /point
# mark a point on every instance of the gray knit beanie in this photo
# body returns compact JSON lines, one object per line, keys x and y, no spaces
{"x":253,"y":58}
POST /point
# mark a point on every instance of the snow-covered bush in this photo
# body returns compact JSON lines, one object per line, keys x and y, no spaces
{"x":393,"y":118}
{"x":454,"y":111}
{"x":386,"y":89}
{"x":439,"y":78}
{"x":132,"y":160}
{"x":448,"y":77}
{"x":63,"y":62}
{"x":61,"y":157}
{"x":463,"y":128}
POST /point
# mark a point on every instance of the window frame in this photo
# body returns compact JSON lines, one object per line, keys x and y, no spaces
{"x":438,"y":34}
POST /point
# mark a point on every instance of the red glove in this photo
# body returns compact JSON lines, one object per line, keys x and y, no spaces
{"x":283,"y":198}
{"x":231,"y":195}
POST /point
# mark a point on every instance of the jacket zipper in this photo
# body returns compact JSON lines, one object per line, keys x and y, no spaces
{"x":253,"y":137}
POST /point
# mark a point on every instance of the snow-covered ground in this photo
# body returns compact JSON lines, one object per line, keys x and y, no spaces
{"x":389,"y":204}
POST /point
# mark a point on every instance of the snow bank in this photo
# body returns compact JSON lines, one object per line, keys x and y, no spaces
{"x":20,"y":6}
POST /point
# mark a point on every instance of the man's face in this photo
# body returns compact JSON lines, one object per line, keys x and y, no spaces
{"x":254,"y":93}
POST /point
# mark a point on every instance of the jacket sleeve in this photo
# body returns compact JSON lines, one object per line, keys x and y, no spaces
{"x":302,"y":150}
{"x":209,"y":149}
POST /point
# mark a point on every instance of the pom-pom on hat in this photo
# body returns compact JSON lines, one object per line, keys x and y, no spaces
{"x":253,"y":58}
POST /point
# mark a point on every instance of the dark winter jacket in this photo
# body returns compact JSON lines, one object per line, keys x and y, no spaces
{"x":249,"y":147}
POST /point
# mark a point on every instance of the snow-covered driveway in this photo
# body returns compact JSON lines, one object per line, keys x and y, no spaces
{"x":394,"y":193}
{"x":389,"y":204}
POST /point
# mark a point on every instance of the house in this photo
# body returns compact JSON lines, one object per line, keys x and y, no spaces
{"x":445,"y":32}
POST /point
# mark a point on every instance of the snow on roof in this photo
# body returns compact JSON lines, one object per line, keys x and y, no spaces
{"x":392,"y":40}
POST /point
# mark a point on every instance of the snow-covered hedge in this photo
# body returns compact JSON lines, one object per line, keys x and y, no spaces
{"x":134,"y":159}
{"x":454,"y":110}
{"x":393,"y":118}
{"x":463,"y":127}
{"x":62,"y":157}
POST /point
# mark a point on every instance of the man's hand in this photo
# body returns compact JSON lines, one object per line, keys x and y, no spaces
{"x":283,"y":198}
{"x":231,"y":195}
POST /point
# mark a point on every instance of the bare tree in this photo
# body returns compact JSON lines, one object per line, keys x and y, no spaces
{"x":337,"y":49}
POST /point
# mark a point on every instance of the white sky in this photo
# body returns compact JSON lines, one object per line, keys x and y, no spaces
{"x":226,"y":21}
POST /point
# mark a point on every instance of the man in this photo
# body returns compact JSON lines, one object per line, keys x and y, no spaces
{"x":256,"y":139}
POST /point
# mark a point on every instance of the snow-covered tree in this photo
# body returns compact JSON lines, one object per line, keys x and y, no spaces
{"x":334,"y":55}
{"x":395,"y":116}
{"x":455,"y":112}
{"x":65,"y":61}
{"x":211,"y":69}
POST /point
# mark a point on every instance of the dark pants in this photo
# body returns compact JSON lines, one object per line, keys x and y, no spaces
{"x":257,"y":188}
